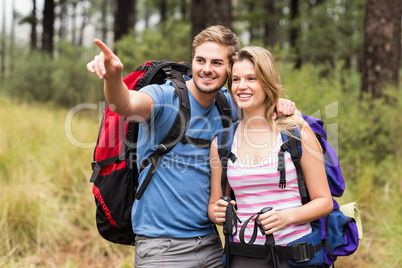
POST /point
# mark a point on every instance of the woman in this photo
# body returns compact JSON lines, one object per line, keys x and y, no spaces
{"x":255,"y":86}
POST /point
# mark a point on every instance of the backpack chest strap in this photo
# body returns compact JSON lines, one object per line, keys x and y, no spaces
{"x":225,"y":156}
{"x":197,"y":142}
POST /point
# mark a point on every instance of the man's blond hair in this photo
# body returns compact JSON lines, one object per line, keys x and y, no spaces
{"x":218,"y":34}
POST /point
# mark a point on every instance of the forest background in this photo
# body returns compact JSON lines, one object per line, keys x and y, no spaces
{"x":339,"y":61}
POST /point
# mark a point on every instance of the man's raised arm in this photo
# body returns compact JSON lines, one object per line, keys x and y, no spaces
{"x":129,"y":103}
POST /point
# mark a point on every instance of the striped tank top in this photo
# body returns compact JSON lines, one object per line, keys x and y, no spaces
{"x":257,"y":186}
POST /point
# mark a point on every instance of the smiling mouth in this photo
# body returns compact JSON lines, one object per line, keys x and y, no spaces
{"x":207,"y":78}
{"x":245,"y":95}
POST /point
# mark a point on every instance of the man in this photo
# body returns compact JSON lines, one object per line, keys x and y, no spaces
{"x":171,"y":221}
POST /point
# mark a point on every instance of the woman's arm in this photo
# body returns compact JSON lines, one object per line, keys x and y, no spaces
{"x":321,"y":204}
{"x":216,"y":206}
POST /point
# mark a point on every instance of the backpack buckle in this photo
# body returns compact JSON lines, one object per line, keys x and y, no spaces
{"x":162,"y":147}
{"x":93,"y":164}
{"x":302,"y":251}
{"x":285,"y":146}
{"x":167,"y":70}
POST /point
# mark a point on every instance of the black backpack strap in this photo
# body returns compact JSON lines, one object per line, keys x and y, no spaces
{"x":225,"y":140}
{"x":157,"y":71}
{"x":98,"y":165}
{"x":269,"y":239}
{"x":223,"y":107}
{"x":231,"y":219}
{"x":293,"y":146}
{"x":299,"y":252}
{"x":282,"y":165}
{"x":229,"y":227}
{"x":197,"y":142}
{"x":296,"y":156}
{"x":175,"y":133}
{"x":222,"y":104}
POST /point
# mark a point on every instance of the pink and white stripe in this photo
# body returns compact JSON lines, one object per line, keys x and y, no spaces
{"x":257,"y":186}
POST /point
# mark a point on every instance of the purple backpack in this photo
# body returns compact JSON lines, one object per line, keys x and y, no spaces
{"x":339,"y":233}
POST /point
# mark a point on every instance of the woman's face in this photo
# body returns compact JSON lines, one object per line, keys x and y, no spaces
{"x":246,"y":88}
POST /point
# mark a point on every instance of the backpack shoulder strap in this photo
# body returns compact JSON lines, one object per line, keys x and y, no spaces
{"x":224,"y":109}
{"x":222,"y":104}
{"x":225,"y":140}
{"x":293,"y":146}
{"x":155,"y":72}
{"x":175,"y":133}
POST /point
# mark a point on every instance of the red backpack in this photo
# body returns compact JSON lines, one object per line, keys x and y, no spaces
{"x":115,"y":173}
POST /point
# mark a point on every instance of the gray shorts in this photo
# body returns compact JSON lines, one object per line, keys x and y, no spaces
{"x":196,"y":252}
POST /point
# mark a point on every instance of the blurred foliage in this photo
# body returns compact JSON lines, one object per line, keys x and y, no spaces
{"x":170,"y":42}
{"x":62,"y":80}
{"x":368,"y":129}
{"x":332,"y":31}
{"x":329,"y":30}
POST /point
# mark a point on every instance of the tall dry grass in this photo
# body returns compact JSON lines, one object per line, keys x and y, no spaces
{"x":47,"y":208}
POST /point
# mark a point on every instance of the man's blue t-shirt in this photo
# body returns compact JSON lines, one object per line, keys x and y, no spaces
{"x":175,"y":203}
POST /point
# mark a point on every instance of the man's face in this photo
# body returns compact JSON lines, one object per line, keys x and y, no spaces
{"x":210,"y":64}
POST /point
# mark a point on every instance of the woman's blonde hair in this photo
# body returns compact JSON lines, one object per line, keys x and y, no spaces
{"x":268,"y":75}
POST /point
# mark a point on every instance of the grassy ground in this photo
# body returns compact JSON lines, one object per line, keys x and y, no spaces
{"x":47,"y":215}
